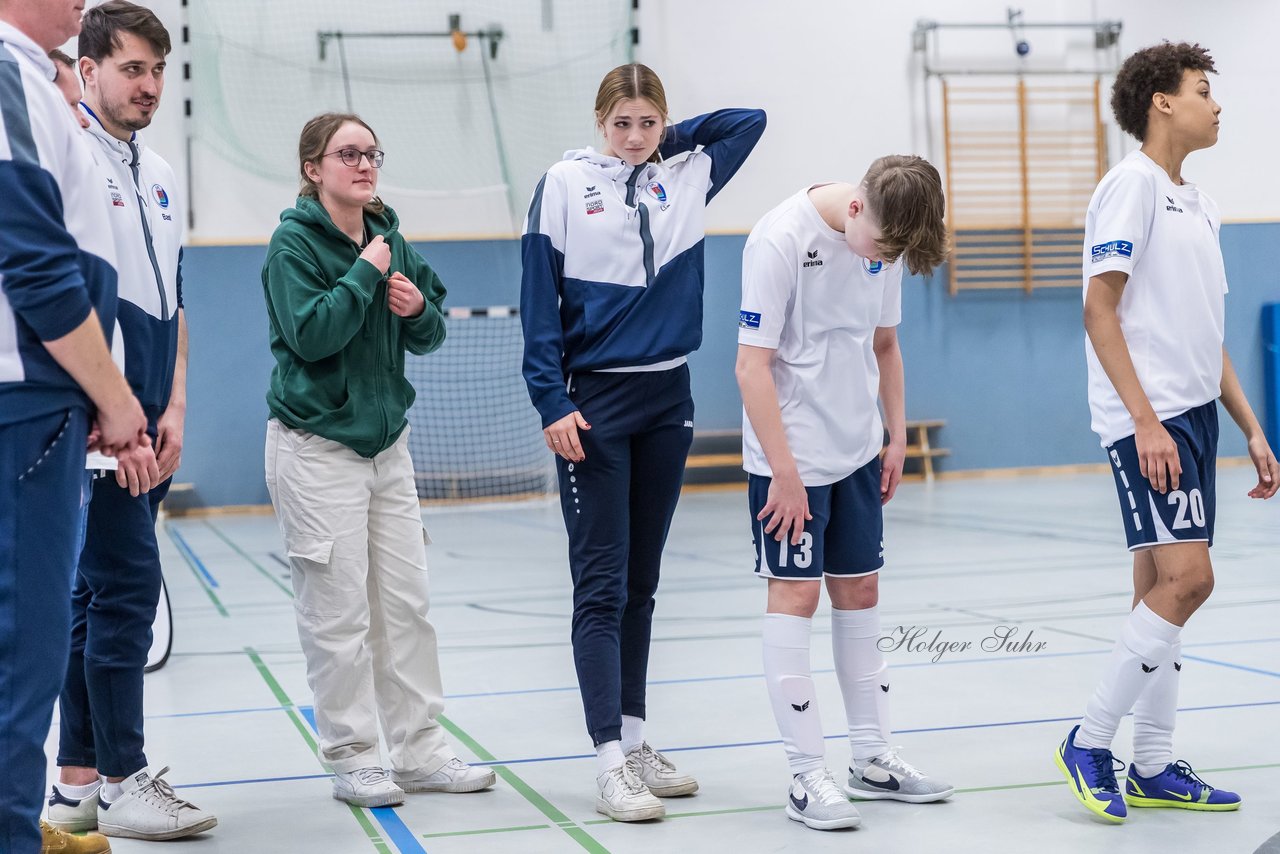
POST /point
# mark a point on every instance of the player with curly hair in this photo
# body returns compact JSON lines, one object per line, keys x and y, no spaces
{"x":1154,"y":288}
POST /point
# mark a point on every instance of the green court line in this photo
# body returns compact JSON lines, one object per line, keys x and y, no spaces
{"x":733,"y":811}
{"x":262,"y":569}
{"x":213,"y":597}
{"x":575,"y":832}
{"x":490,"y":830}
{"x":292,"y":711}
{"x":741,"y":810}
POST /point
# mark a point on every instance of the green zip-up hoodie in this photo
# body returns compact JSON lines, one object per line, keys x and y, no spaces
{"x":339,"y":349}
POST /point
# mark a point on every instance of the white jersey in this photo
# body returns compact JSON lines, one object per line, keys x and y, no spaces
{"x":808,"y":296}
{"x":1165,"y":237}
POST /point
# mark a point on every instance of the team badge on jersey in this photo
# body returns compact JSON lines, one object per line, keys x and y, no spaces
{"x":161,"y":196}
{"x":1114,"y":249}
{"x":749,"y":319}
{"x":657,"y":191}
{"x":872,"y":267}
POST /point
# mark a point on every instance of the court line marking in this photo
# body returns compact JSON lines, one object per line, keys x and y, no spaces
{"x":296,"y":713}
{"x":394,"y":827}
{"x":196,"y":568}
{"x":490,"y":830}
{"x":488,"y":759}
{"x":291,"y":710}
{"x":1244,"y":667}
{"x":575,"y":831}
{"x":700,"y":679}
{"x":262,"y":569}
{"x":776,"y":807}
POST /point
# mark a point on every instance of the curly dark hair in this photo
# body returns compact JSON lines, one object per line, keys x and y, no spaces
{"x":1153,"y":69}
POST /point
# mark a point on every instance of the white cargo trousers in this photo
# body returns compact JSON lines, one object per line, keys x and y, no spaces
{"x":354,"y":535}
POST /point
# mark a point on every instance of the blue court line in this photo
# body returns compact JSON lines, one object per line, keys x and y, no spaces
{"x":217,"y":783}
{"x":394,"y":829}
{"x":697,"y":679}
{"x":214,"y":713}
{"x":190,"y":553}
{"x":1244,"y":667}
{"x":309,"y":714}
{"x":766,"y":742}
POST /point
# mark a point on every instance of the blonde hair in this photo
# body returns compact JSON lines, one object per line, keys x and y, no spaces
{"x":904,"y":195}
{"x":315,"y":138}
{"x":627,"y":82}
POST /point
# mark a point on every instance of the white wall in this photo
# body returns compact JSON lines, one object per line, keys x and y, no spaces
{"x":839,"y":81}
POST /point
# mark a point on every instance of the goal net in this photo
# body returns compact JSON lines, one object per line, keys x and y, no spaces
{"x":474,"y":434}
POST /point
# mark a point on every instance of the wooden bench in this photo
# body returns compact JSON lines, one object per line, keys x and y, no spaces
{"x":919,"y":446}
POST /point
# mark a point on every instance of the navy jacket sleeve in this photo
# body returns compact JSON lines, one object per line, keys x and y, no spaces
{"x":726,"y":136}
{"x":542,"y":259}
{"x":39,"y":260}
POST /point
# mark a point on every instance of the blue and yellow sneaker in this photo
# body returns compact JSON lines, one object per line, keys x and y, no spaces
{"x":1092,"y":774}
{"x":1179,"y":787}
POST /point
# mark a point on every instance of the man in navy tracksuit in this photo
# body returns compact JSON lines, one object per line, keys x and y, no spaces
{"x":122,"y":51}
{"x":57,"y":307}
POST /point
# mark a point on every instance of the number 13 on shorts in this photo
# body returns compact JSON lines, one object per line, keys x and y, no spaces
{"x":801,"y":555}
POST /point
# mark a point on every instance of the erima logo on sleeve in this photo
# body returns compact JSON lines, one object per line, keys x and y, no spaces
{"x":749,"y":319}
{"x":1114,"y":249}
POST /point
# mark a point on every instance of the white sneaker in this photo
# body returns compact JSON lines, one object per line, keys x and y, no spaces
{"x":658,"y":773}
{"x":73,"y":815}
{"x":817,"y":802}
{"x":890,"y":777}
{"x":454,"y":776}
{"x":367,"y":787}
{"x":622,"y":797}
{"x":148,"y":809}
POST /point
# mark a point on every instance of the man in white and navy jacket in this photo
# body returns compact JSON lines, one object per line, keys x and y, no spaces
{"x":57,"y":310}
{"x":122,"y":50}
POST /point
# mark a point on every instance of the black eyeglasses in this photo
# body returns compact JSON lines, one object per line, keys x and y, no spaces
{"x":351,"y":156}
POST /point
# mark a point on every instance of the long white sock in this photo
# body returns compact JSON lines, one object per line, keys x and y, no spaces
{"x":1153,"y":717}
{"x":791,"y":691}
{"x":1143,"y":648}
{"x":609,"y":756}
{"x":862,"y":673}
{"x":632,"y":732}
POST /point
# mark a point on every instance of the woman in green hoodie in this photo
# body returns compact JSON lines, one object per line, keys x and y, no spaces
{"x":346,"y":297}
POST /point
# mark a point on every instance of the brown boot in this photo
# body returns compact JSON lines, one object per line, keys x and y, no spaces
{"x":60,"y":842}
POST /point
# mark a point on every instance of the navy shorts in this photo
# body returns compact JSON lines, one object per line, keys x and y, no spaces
{"x":1180,"y":515}
{"x":845,"y":536}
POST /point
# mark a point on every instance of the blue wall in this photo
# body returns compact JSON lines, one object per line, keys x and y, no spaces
{"x":1006,"y":370}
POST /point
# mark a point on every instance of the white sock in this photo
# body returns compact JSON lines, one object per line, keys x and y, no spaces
{"x":862,"y":672}
{"x":78,"y":793}
{"x":1143,"y":648}
{"x":791,"y":691}
{"x":632,"y":733}
{"x":609,"y":756}
{"x":111,"y":792}
{"x":1153,"y":717}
